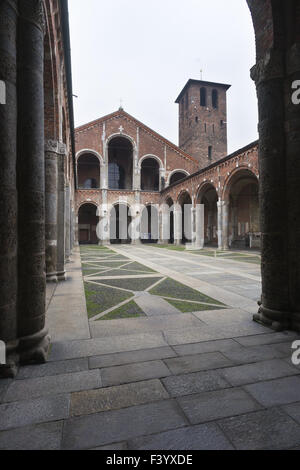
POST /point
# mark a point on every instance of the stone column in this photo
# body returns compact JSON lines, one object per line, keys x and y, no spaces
{"x":165,"y":215}
{"x":223,"y":214}
{"x":177,"y":225}
{"x":279,"y":150}
{"x":51,"y":152}
{"x":135,"y":226}
{"x":61,"y":216}
{"x":200,"y":236}
{"x":8,"y":186}
{"x":33,"y":337}
{"x":67,"y":223}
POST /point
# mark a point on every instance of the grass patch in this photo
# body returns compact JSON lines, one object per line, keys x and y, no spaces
{"x":139,"y":267}
{"x":136,"y":285}
{"x":120,"y":272}
{"x":129,"y":310}
{"x":88,"y":271}
{"x":187,"y":307}
{"x":171,"y":288}
{"x":171,"y":247}
{"x":101,"y":298}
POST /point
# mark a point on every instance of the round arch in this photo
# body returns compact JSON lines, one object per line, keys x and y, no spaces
{"x":91,"y":152}
{"x":120,"y":156}
{"x":119,"y":135}
{"x":88,"y":169}
{"x":174,"y":172}
{"x":119,"y":221}
{"x":241,"y":171}
{"x":207,"y":196}
{"x":154,"y":157}
{"x":87,"y":223}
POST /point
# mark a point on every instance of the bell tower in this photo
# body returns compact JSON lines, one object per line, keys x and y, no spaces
{"x":203,"y":120}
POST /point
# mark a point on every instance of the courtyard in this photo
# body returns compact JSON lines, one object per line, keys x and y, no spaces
{"x":155,"y":348}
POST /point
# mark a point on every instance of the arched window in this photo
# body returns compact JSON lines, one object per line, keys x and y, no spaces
{"x":177,"y":176}
{"x":150,"y":175}
{"x":120,"y":166}
{"x":203,"y":97}
{"x":215,"y":99}
{"x":88,"y":169}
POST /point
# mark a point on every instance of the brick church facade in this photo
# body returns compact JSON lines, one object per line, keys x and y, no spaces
{"x":122,"y":162}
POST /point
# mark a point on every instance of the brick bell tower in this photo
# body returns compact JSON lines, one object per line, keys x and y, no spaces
{"x":203,"y":120}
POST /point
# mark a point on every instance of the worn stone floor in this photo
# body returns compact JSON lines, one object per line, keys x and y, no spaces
{"x":168,"y":380}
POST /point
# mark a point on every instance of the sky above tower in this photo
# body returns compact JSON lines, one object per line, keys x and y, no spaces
{"x":143,"y":52}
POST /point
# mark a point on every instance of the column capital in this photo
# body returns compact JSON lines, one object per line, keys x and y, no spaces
{"x":54,"y":146}
{"x":32,"y":11}
{"x":269,"y":67}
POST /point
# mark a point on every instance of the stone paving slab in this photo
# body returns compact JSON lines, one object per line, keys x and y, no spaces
{"x":53,"y":385}
{"x":53,"y":368}
{"x":268,"y":338}
{"x":257,"y":372}
{"x":40,"y":437}
{"x":114,"y":398}
{"x":206,"y":347}
{"x":253,"y":354}
{"x":293,"y":411}
{"x":155,"y":306}
{"x":211,"y":406}
{"x":198,"y":362}
{"x":268,"y":429}
{"x":198,"y":382}
{"x":88,"y":348}
{"x":100,"y":329}
{"x":202,"y":437}
{"x":42,"y":410}
{"x":276,"y":392}
{"x":130,"y":357}
{"x":117,"y":446}
{"x":116,"y":426}
{"x":134,"y":373}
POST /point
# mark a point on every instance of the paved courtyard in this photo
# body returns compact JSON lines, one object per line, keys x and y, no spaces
{"x":155,"y":348}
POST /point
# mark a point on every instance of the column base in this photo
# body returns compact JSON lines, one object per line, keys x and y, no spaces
{"x":278,"y":321}
{"x":163,"y":242}
{"x":51,"y":278}
{"x":34,"y":349}
{"x":136,"y":242}
{"x":61,"y":276}
{"x":10,"y":369}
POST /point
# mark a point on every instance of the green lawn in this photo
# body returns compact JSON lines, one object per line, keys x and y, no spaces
{"x":129,"y":310}
{"x":187,"y":307}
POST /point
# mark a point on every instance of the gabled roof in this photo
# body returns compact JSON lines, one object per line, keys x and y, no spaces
{"x":203,"y":83}
{"x":122,"y":113}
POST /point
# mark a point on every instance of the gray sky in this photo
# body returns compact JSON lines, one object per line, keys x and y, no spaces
{"x":145,"y":51}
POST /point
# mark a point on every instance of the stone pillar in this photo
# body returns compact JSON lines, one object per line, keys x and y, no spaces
{"x":8,"y":186}
{"x":67,"y":223}
{"x":103,"y":228}
{"x":33,"y":337}
{"x":223,"y":220}
{"x":279,"y":150}
{"x":200,"y":236}
{"x":165,"y":215}
{"x":135,"y":226}
{"x":177,"y":225}
{"x":51,"y":152}
{"x":61,"y":216}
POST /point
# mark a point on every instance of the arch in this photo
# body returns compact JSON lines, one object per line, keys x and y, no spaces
{"x":241,"y":193}
{"x":92,"y":152}
{"x":203,"y":96}
{"x":87,"y":223}
{"x":150,"y":155}
{"x":150,"y":175}
{"x":215,"y":99}
{"x":185,"y":202}
{"x":125,"y":136}
{"x":207,"y":195}
{"x":172,"y":176}
{"x":169,"y":202}
{"x":150,"y":224}
{"x":119,"y":223}
{"x":120,"y":163}
{"x":88,"y":171}
{"x":236,"y":173}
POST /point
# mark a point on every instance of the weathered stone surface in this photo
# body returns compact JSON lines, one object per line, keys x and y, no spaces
{"x":114,"y":398}
{"x":197,"y":362}
{"x":293,"y":411}
{"x":53,"y":368}
{"x":134,"y":373}
{"x":30,"y":412}
{"x":130,"y":357}
{"x":116,"y":426}
{"x":268,"y":338}
{"x":31,"y":388}
{"x":276,"y":392}
{"x":117,"y":446}
{"x":215,"y":405}
{"x":203,"y":437}
{"x":268,"y":429}
{"x":194,"y":383}
{"x":206,"y":347}
{"x":253,"y":354}
{"x":250,"y":373}
{"x":40,"y":437}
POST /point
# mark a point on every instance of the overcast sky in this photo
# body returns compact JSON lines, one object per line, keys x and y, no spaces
{"x":144,"y":51}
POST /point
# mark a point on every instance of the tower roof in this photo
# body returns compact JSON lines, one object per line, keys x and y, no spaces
{"x":201,"y":82}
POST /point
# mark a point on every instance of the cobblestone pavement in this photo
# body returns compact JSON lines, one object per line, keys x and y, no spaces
{"x":208,"y":379}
